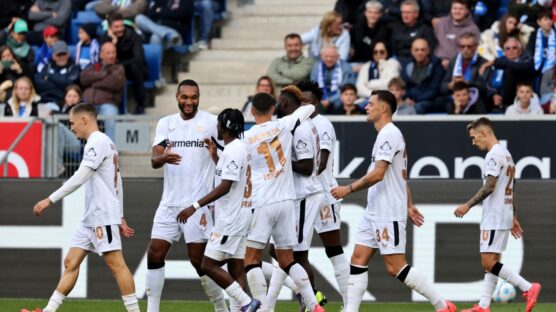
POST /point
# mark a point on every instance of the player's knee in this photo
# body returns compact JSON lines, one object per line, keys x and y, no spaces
{"x":196,"y":264}
{"x":155,"y":255}
{"x":71,"y":264}
{"x":116,"y":266}
{"x":392,"y":270}
{"x":357,"y":258}
{"x":207,"y":266}
{"x":487,"y":264}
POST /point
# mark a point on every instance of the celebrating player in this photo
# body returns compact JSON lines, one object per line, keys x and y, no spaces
{"x":388,"y":205}
{"x":227,"y":240}
{"x":182,"y":136}
{"x":499,"y":215}
{"x":103,"y":221}
{"x":272,"y":193}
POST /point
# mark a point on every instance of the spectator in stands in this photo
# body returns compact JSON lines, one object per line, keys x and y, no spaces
{"x":492,"y":39}
{"x":546,"y":88}
{"x":53,"y":79}
{"x":550,"y":106}
{"x":465,"y":67}
{"x":72,"y":97}
{"x":542,"y":45}
{"x":44,"y":54}
{"x":68,"y":145}
{"x":368,"y":29}
{"x":376,"y":74}
{"x":22,"y":50}
{"x":515,"y":67}
{"x":10,"y":69}
{"x":264,"y":85}
{"x":88,"y":48}
{"x":10,"y":12}
{"x":465,"y":100}
{"x":434,"y":11}
{"x":104,"y":85}
{"x":526,"y":102}
{"x":450,"y":28}
{"x":422,"y":76}
{"x":128,"y":9}
{"x":166,"y":21}
{"x":391,"y":12}
{"x":24,"y":101}
{"x":293,"y":66}
{"x":130,"y":54}
{"x":348,"y":97}
{"x":5,"y":86}
{"x":331,"y":73}
{"x":206,"y":9}
{"x":349,"y":10}
{"x":408,"y":30}
{"x":397,"y":87}
{"x":526,"y":10}
{"x":330,"y":31}
{"x":46,"y":13}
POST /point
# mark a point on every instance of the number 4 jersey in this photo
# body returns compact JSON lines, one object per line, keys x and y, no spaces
{"x":498,"y":206}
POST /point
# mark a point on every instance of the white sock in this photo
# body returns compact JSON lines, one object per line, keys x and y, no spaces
{"x":269,"y":268}
{"x":155,"y":283}
{"x":235,"y":306}
{"x":276,"y":282}
{"x":214,"y":293}
{"x":257,"y":284}
{"x":131,"y":303}
{"x":236,"y":292}
{"x":418,"y":282}
{"x":356,"y":287}
{"x":513,"y":278}
{"x":488,"y":289}
{"x":341,"y":272}
{"x":301,"y":279}
{"x":55,"y":301}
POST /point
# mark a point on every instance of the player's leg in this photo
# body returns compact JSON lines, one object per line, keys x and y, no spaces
{"x":156,"y":254}
{"x":72,"y":261}
{"x":277,"y":277}
{"x":116,"y":263}
{"x":358,"y":277}
{"x":253,"y":270}
{"x":212,"y":268}
{"x":488,"y":259}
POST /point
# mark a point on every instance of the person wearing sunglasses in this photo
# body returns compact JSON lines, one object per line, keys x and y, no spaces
{"x":376,"y":74}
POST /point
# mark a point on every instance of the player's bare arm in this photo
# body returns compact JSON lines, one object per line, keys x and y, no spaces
{"x":303,"y":167}
{"x":324,"y":154}
{"x":222,"y":189}
{"x":483,"y":193}
{"x":370,"y":179}
{"x":164,"y":155}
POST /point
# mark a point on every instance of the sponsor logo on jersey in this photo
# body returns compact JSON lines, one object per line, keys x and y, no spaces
{"x":491,"y":162}
{"x":386,"y":146}
{"x":325,"y":136}
{"x":232,"y":166}
{"x":91,"y":152}
{"x":302,"y":147}
{"x":189,"y":143}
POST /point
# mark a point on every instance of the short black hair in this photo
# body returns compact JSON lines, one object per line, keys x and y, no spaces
{"x":481,"y":122}
{"x":544,"y":14}
{"x":188,"y":82}
{"x":348,"y":86}
{"x":460,"y":85}
{"x":232,"y":120}
{"x":464,"y":2}
{"x":85,"y":108}
{"x":114,"y":16}
{"x":312,"y":86}
{"x":387,"y":97}
{"x":292,"y":36}
{"x":263,"y":102}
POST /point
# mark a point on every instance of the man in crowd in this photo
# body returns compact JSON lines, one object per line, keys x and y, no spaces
{"x":293,"y":66}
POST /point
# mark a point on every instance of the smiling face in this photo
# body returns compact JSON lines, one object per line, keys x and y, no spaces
{"x":335,"y":28}
{"x":264,"y":86}
{"x":293,"y":48}
{"x":188,"y":100}
{"x":372,"y":15}
{"x":329,"y":56}
{"x":512,"y":49}
{"x":459,"y":12}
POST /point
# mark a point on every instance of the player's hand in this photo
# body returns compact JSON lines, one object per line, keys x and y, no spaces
{"x":415,"y":215}
{"x":517,"y":231}
{"x":170,"y":157}
{"x":209,"y":144}
{"x":340,"y":192}
{"x":185,"y":214}
{"x":40,"y":206}
{"x":125,"y":230}
{"x":461,"y":210}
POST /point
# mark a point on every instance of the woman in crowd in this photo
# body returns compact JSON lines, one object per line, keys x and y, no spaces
{"x":377,"y":73}
{"x":492,"y":39}
{"x":264,"y":85}
{"x":24,"y":101}
{"x":330,"y":31}
{"x":10,"y":69}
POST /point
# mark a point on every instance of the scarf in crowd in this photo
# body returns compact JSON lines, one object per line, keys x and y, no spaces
{"x":94,"y":51}
{"x":334,"y":82}
{"x":121,"y":3}
{"x":20,"y":49}
{"x":545,"y":62}
{"x":374,"y":73}
{"x":458,"y":67}
{"x":499,"y":50}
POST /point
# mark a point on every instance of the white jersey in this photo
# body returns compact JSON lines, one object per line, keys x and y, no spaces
{"x":387,"y":199}
{"x":270,"y":147}
{"x":102,"y":206}
{"x":231,"y":217}
{"x":498,"y":206}
{"x":193,"y":177}
{"x":327,"y":136}
{"x":306,"y":145}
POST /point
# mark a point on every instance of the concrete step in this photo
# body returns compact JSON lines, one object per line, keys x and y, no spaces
{"x":274,"y":21}
{"x":247,"y":44}
{"x":257,"y":33}
{"x":294,"y":2}
{"x":135,"y":165}
{"x":266,"y":10}
{"x":237,"y":55}
{"x":221,"y":72}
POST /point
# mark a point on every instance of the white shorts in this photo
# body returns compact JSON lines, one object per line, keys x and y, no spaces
{"x":100,"y":239}
{"x":494,"y":241}
{"x":196,"y":230}
{"x":221,"y":247}
{"x":306,"y":212}
{"x":276,"y":220}
{"x":328,"y":218}
{"x":387,"y":236}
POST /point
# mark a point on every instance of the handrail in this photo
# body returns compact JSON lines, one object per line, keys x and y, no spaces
{"x":4,"y":160}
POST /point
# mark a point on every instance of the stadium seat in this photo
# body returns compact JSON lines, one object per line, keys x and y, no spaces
{"x":83,"y":17}
{"x":71,"y":49}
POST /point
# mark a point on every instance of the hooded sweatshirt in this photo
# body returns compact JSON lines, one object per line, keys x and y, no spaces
{"x":447,"y":34}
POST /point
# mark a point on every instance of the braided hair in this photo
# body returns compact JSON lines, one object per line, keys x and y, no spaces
{"x":232,"y":120}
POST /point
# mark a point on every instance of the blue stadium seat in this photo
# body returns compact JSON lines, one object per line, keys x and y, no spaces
{"x":71,"y":49}
{"x":153,"y":56}
{"x":83,"y":17}
{"x":503,"y":9}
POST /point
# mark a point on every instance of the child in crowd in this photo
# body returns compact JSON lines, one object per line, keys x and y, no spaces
{"x":348,"y":96}
{"x":44,"y":54}
{"x":526,"y":102}
{"x":88,"y":48}
{"x":397,"y":87}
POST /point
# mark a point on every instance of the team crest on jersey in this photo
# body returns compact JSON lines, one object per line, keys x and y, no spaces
{"x":491,"y":162}
{"x":301,"y":146}
{"x":232,"y":166}
{"x":325,"y":137}
{"x":200,"y":129}
{"x":386,"y":146}
{"x":91,"y":152}
{"x":99,"y":232}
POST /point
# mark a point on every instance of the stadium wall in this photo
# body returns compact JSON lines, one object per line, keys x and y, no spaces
{"x":445,"y":248}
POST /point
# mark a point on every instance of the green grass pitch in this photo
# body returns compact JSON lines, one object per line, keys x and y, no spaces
{"x":15,"y":305}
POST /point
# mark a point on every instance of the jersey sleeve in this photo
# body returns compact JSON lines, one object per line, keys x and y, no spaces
{"x":161,"y":133}
{"x":290,"y":122}
{"x":494,"y":165}
{"x":326,"y":137}
{"x":232,"y":162}
{"x":94,"y":153}
{"x":388,"y":146}
{"x":303,"y":145}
